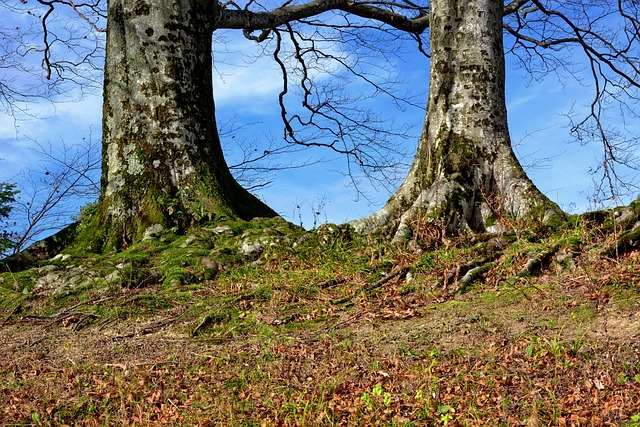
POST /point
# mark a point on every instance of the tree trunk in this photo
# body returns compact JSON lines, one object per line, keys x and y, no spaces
{"x":464,"y":170}
{"x":162,"y":160}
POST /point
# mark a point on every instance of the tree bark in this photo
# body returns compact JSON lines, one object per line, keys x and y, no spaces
{"x":464,"y":170}
{"x":162,"y":159}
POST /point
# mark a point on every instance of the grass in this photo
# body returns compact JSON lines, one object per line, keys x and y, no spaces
{"x":312,"y":335}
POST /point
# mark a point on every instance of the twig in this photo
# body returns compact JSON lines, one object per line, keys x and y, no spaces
{"x":67,"y":310}
{"x":205,"y":321}
{"x":151,"y":328}
{"x":329,"y":283}
{"x":398,"y":273}
{"x":82,"y":320}
{"x":6,"y":319}
{"x":69,"y":315}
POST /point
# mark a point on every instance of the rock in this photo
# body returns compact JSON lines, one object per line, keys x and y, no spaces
{"x":497,"y":244}
{"x":250,"y":248}
{"x":47,"y":269}
{"x":208,"y":237}
{"x":190,"y":240}
{"x":152,"y":232}
{"x":210,"y":264}
{"x":329,"y":233}
{"x":62,"y":281}
{"x":114,"y":277}
{"x":220,"y":229}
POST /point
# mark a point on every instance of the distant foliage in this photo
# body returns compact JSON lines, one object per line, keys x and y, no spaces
{"x":7,"y":193}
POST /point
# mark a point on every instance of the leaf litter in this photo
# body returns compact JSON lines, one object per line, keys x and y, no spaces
{"x":559,"y":348}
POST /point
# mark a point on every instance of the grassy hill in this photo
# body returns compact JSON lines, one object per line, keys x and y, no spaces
{"x":262,"y":323}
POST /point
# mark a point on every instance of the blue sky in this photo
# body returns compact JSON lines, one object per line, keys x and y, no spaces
{"x":247,"y":94}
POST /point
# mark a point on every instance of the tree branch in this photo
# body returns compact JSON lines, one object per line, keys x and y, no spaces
{"x":250,"y":20}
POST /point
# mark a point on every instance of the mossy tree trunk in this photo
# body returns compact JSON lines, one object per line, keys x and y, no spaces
{"x":464,"y":171}
{"x":162,"y":160}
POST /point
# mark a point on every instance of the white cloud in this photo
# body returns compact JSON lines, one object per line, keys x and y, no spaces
{"x":67,"y":123}
{"x":247,"y":86}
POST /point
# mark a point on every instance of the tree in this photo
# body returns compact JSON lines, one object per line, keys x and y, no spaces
{"x":162,"y":161}
{"x":7,"y":197}
{"x":464,"y":171}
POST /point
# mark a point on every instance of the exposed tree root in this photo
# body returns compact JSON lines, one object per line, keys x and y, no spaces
{"x":458,"y":279}
{"x":154,"y":327}
{"x":204,"y":322}
{"x":460,"y":210}
{"x":623,"y":222}
{"x":472,"y":275}
{"x":330,"y":283}
{"x":462,"y":276}
{"x":537,"y":261}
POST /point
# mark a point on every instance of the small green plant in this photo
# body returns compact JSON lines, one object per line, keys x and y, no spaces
{"x":377,"y":392}
{"x":386,"y":396}
{"x":634,"y":421}
{"x":445,"y":414}
{"x":425,"y":402}
{"x":554,"y":345}
{"x":366,"y":399}
{"x":578,"y":340}
{"x":529,"y":350}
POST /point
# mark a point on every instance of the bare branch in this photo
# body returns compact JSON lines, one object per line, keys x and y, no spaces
{"x":49,"y":37}
{"x":515,"y":6}
{"x":548,"y":34}
{"x":250,"y":20}
{"x":51,"y":195}
{"x":330,"y":119}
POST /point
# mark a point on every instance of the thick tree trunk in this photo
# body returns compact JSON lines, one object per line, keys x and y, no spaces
{"x":464,"y":170}
{"x":162,"y":160}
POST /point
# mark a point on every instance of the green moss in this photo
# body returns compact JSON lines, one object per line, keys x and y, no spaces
{"x":15,"y":290}
{"x":490,"y":221}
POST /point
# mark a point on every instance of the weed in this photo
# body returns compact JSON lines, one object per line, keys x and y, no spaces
{"x":555,"y":346}
{"x":445,"y":414}
{"x":366,"y":399}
